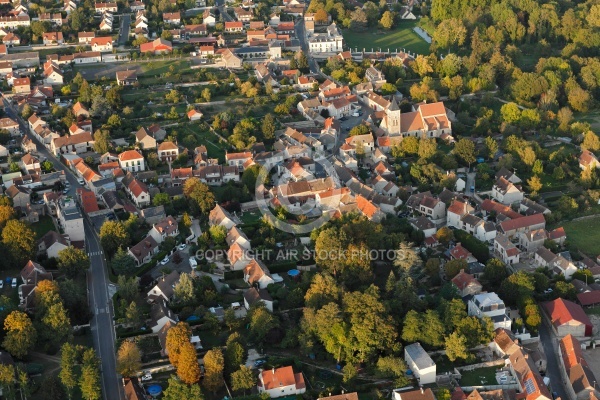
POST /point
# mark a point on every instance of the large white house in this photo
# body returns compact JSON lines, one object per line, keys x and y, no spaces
{"x":490,"y":305}
{"x":330,"y":42}
{"x":131,"y":161}
{"x":281,"y":382}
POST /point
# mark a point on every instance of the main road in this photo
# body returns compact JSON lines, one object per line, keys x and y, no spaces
{"x":100,"y":304}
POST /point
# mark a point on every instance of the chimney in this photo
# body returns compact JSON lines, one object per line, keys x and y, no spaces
{"x":273,"y":370}
{"x":462,"y":271}
{"x":422,"y":392}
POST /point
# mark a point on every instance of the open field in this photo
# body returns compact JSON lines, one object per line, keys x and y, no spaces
{"x":592,"y":118}
{"x":145,"y":69}
{"x":584,"y":234}
{"x":402,"y":37}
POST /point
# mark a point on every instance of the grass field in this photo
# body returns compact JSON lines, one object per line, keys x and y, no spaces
{"x":43,"y":226}
{"x":403,"y":37}
{"x":215,"y":148}
{"x":592,"y":117}
{"x":479,"y":377}
{"x":592,"y":310}
{"x":584,"y":234}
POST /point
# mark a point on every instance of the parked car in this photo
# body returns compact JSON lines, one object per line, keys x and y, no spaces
{"x":182,"y":246}
{"x":258,"y":363}
{"x":80,"y":181}
{"x":14,"y":282}
{"x":146,"y":377}
{"x":65,"y":190}
{"x":165,"y":261}
{"x":1,"y":284}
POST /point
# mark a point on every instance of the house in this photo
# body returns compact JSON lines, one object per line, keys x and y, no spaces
{"x":52,"y":74}
{"x":133,"y":389}
{"x":280,"y":382}
{"x":11,"y":39}
{"x":343,"y":396}
{"x":144,"y":140}
{"x":21,"y":85}
{"x":456,"y":211}
{"x":85,"y":37}
{"x":152,"y":215}
{"x":420,"y":363}
{"x":132,"y":161}
{"x":425,"y":204}
{"x":458,"y":252}
{"x":168,"y":227}
{"x":72,"y":144}
{"x":144,"y":250}
{"x":20,"y":196}
{"x":139,"y":192}
{"x":587,"y":159}
{"x":489,"y":305}
{"x":70,"y":219}
{"x":331,"y":41}
{"x":51,"y":244}
{"x":157,"y":46}
{"x":256,"y":272}
{"x":530,"y":222}
{"x":167,"y":151}
{"x":126,"y":78}
{"x":157,"y":132}
{"x":104,"y":7}
{"x":160,"y":315}
{"x":532,"y":240}
{"x":508,"y":175}
{"x":222,"y":217}
{"x":506,"y":192}
{"x":172,"y":18}
{"x":506,"y":250}
{"x":53,"y":38}
{"x":531,"y":383}
{"x":208,"y":18}
{"x":234,"y":26}
{"x":11,"y":126}
{"x":236,"y":236}
{"x":544,"y":257}
{"x":31,"y":275}
{"x":238,"y":257}
{"x":421,"y":394}
{"x":194,"y":115}
{"x":253,"y":296}
{"x":568,"y":318}
{"x":466,"y":284}
{"x":80,"y":111}
{"x":164,"y":287}
{"x":504,"y":343}
{"x":424,"y":225}
{"x":529,"y":207}
{"x":6,"y":68}
{"x":196,"y":30}
{"x":561,"y":266}
{"x":582,"y":382}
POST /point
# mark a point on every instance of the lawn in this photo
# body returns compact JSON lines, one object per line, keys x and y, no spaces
{"x":403,"y":37}
{"x":592,"y":310}
{"x":251,"y":217}
{"x":43,"y":226}
{"x":592,"y":117}
{"x":479,"y":377}
{"x":584,"y":234}
{"x":215,"y":148}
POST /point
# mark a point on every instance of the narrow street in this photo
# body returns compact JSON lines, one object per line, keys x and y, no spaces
{"x":553,"y":369}
{"x":100,"y":305}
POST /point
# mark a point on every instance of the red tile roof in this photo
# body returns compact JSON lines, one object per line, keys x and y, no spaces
{"x":523,"y":222}
{"x":463,"y":279}
{"x":88,"y":200}
{"x":280,"y":377}
{"x":563,"y":311}
{"x":130,"y":155}
{"x":459,"y":252}
{"x":589,"y":298}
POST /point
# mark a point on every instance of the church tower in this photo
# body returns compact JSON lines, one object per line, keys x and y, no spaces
{"x":393,"y":118}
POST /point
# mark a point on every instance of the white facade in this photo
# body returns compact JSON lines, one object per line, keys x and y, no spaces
{"x":330,"y":42}
{"x":490,"y":305}
{"x":420,"y":363}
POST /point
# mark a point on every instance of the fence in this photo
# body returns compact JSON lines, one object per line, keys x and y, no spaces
{"x":481,"y":365}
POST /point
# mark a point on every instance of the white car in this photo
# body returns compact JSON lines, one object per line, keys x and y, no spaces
{"x":182,"y":246}
{"x":146,"y":377}
{"x":14,"y":283}
{"x":80,"y":181}
{"x":1,"y":284}
{"x":165,"y":261}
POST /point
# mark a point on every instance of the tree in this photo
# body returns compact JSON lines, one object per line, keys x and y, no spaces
{"x":392,"y":367}
{"x":122,"y":263}
{"x":590,"y":141}
{"x":178,"y":390}
{"x":564,"y":117}
{"x":243,"y":379}
{"x":465,"y":150}
{"x":411,"y":331}
{"x":214,"y":364}
{"x":358,"y":20}
{"x":387,"y":20}
{"x":6,"y":213}
{"x":453,"y":267}
{"x":449,"y":32}
{"x":321,"y":16}
{"x":268,"y":126}
{"x":491,"y":146}
{"x":129,"y":358}
{"x":184,"y":290}
{"x":56,"y":324}
{"x":73,"y":261}
{"x":234,"y":356}
{"x":218,"y":234}
{"x":249,"y":177}
{"x":38,"y":28}
{"x":112,"y":236}
{"x":177,"y":336}
{"x":206,"y":94}
{"x":323,"y":289}
{"x":535,"y":184}
{"x":134,"y":316}
{"x":558,"y":173}
{"x":19,"y":241}
{"x":199,"y":194}
{"x":89,"y":382}
{"x":53,"y":390}
{"x":494,"y":271}
{"x":68,"y":361}
{"x":20,"y":334}
{"x":100,"y":107}
{"x":456,"y":347}
{"x":406,"y":257}
{"x":427,"y":148}
{"x":361,"y":129}
{"x":7,"y":381}
{"x":261,"y":322}
{"x":27,"y":111}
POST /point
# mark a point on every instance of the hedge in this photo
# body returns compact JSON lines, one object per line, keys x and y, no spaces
{"x":479,"y":249}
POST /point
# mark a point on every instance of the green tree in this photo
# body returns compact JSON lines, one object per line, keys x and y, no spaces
{"x":268,"y":126}
{"x":27,"y":111}
{"x":73,"y":261}
{"x":387,"y":20}
{"x":491,"y":146}
{"x":465,"y":150}
{"x":89,"y":382}
{"x":261,"y":322}
{"x":590,"y":141}
{"x":407,"y":258}
{"x":234,"y":356}
{"x":214,"y":363}
{"x":494,"y":272}
{"x":206,"y":94}
{"x":178,"y":390}
{"x":7,"y":381}
{"x":184,"y":289}
{"x":243,"y":379}
{"x":449,"y":32}
{"x":427,"y":148}
{"x":558,"y":173}
{"x":456,"y":347}
{"x":68,"y":373}
{"x":534,"y":183}
{"x":361,"y":129}
{"x":392,"y":367}
{"x":20,"y":334}
{"x":134,"y":316}
{"x":129,"y":359}
{"x":19,"y":241}
{"x":199,"y":195}
{"x":323,"y":289}
{"x":112,"y":236}
{"x":122,"y":263}
{"x":218,"y":234}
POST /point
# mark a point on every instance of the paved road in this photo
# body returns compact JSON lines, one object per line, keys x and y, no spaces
{"x":102,"y":323}
{"x":124,"y":29}
{"x":301,"y":35}
{"x":552,"y":369}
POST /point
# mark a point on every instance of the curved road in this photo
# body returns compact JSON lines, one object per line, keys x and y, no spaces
{"x":100,"y":304}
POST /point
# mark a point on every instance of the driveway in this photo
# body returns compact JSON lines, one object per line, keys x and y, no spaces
{"x":183,"y":266}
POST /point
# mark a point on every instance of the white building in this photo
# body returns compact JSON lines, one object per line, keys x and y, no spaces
{"x":490,"y":305}
{"x":330,"y":42}
{"x":420,"y":363}
{"x":70,"y":219}
{"x":132,"y":161}
{"x":281,"y":382}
